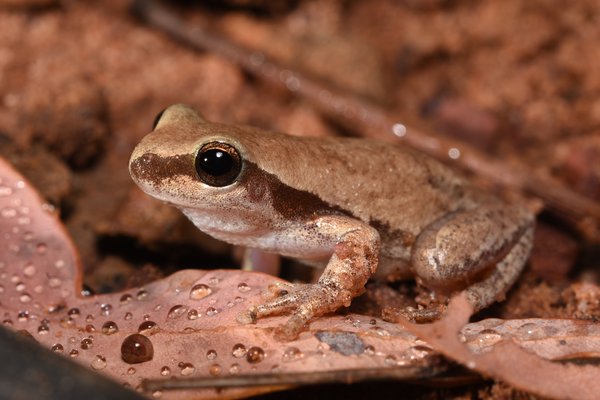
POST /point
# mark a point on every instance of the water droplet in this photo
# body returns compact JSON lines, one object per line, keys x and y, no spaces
{"x":234,"y":369}
{"x":130,"y":371}
{"x":177,"y":311}
{"x":126,"y":298}
{"x":186,"y":368}
{"x":141,"y":295}
{"x":7,"y":322}
{"x":165,"y":371}
{"x":255,"y":355}
{"x":106,"y":309}
{"x":28,"y":236}
{"x":213,"y":280}
{"x":98,"y":362}
{"x":292,"y":354}
{"x":157,"y":394}
{"x":25,"y":298}
{"x":369,"y":350}
{"x":399,"y":129}
{"x":148,"y":328}
{"x":239,"y":350}
{"x":23,"y":316}
{"x":1,"y":289}
{"x":57,"y":348}
{"x":210,"y":311}
{"x":238,"y":299}
{"x":530,"y":331}
{"x":67,"y":322}
{"x":128,"y":316}
{"x":109,"y":328}
{"x":74,"y":312}
{"x":243,"y":287}
{"x":136,"y":349}
{"x":89,"y":318}
{"x":390,"y":360}
{"x":416,"y":353}
{"x":211,"y":354}
{"x":214,"y":370}
{"x":54,"y":282}
{"x":379,"y":331}
{"x":23,"y":220}
{"x":192,"y":315}
{"x":488,"y":337}
{"x":8,"y":212}
{"x":87,"y":344}
{"x":73,"y":353}
{"x":89,"y":328}
{"x":59,"y":264}
{"x":41,"y":248}
{"x":157,"y":307}
{"x":5,"y":191}
{"x":43,"y":329}
{"x":72,"y":340}
{"x":199,"y":291}
{"x":20,"y":287}
{"x":471,"y":364}
{"x":29,"y":270}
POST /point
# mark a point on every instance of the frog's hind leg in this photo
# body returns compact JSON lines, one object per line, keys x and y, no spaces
{"x":494,"y":287}
{"x":482,"y":250}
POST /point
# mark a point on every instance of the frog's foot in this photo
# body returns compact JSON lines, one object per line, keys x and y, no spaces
{"x":305,"y":302}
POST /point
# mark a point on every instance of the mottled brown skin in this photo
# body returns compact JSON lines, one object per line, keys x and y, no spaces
{"x":359,"y":208}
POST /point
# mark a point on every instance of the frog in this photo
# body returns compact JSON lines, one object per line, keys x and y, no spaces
{"x":359,"y":209}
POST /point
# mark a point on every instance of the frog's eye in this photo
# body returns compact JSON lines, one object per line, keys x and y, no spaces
{"x":157,"y":118}
{"x":218,"y":164}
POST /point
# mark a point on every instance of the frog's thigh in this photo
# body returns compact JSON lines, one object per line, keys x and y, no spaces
{"x":461,"y":248}
{"x":494,"y":287}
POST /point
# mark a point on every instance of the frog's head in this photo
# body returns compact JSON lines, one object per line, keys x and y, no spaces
{"x":212,"y":172}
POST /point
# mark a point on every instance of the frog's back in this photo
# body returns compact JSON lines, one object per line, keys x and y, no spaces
{"x":379,"y":183}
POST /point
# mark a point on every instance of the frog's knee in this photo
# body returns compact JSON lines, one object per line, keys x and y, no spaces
{"x":431,"y":269}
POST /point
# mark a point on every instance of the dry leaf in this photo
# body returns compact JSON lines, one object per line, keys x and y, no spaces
{"x":506,"y":361}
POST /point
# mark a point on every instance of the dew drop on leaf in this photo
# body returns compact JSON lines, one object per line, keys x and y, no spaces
{"x":199,"y":291}
{"x":136,"y":349}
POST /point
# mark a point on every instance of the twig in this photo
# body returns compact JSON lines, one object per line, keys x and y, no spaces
{"x":370,"y":120}
{"x":296,"y":378}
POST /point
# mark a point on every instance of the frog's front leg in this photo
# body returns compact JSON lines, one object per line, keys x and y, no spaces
{"x":354,"y":249}
{"x":482,"y":250}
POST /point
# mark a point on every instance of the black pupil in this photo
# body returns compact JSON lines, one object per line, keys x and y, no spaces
{"x":216,"y":162}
